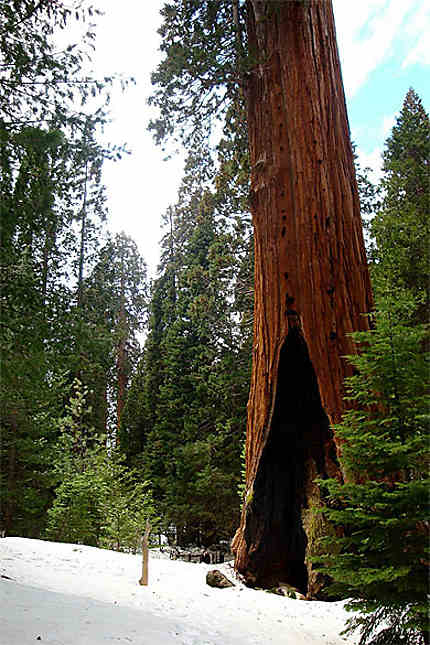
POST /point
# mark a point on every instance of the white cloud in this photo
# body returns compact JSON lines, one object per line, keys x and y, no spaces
{"x":420,"y":53}
{"x":416,"y":31}
{"x":365,"y":32}
{"x":388,"y":123}
{"x":373,"y":161}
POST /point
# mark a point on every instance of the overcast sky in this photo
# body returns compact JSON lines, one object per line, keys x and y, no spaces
{"x":383,"y":52}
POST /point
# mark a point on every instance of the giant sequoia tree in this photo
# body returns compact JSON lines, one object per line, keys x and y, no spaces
{"x":311,"y":279}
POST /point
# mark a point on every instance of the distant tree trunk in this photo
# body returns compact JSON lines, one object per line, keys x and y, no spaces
{"x":50,"y":229}
{"x":50,"y":235}
{"x":311,"y":283}
{"x":145,"y":554}
{"x":121,"y":356}
{"x":83,"y":238}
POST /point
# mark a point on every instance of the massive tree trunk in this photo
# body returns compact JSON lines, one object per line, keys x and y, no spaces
{"x":311,"y":283}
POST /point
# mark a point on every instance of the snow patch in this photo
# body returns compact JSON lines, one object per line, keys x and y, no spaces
{"x":69,"y":594}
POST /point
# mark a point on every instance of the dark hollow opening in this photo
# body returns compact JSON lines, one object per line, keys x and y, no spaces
{"x":274,"y":532}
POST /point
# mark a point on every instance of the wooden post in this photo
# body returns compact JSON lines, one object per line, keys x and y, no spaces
{"x":145,"y":554}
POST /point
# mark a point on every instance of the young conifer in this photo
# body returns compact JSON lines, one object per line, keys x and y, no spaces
{"x":380,"y":561}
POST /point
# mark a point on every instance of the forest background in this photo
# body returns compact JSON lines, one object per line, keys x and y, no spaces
{"x":97,"y":433}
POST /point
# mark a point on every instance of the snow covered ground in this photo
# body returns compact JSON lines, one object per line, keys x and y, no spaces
{"x":67,"y":594}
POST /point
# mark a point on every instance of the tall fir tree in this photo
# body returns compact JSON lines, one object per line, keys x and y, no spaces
{"x":141,"y":405}
{"x":401,"y":229}
{"x":114,"y":306}
{"x":33,"y":314}
{"x":378,"y":552}
{"x":195,"y":369}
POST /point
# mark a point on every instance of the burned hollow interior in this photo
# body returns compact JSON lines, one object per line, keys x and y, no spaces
{"x":299,"y":429}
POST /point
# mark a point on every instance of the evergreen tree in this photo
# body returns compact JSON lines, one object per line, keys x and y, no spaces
{"x":140,"y":408}
{"x":378,"y":553}
{"x":40,"y":327}
{"x":401,"y":228}
{"x":194,"y":372}
{"x":114,"y":307}
{"x":184,"y":413}
{"x":380,"y":562}
{"x":126,"y":505}
{"x":136,"y":418}
{"x":75,"y":515}
{"x":51,"y":189}
{"x":97,"y":500}
{"x":202,"y":71}
{"x":211,"y":345}
{"x":32,"y":317}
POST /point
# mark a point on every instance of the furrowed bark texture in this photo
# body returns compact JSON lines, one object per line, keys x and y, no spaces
{"x":311,"y":283}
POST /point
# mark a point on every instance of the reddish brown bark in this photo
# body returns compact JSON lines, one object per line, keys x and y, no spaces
{"x":311,"y":281}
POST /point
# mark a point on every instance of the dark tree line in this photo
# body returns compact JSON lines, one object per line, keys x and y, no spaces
{"x":184,"y":419}
{"x":69,"y":313}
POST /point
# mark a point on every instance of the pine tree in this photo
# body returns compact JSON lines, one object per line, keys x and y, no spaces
{"x":185,"y":416}
{"x":75,"y":515}
{"x":32,"y":305}
{"x":98,"y":500}
{"x":42,"y":334}
{"x":140,"y":411}
{"x":126,"y":505}
{"x":114,"y":305}
{"x":136,"y":419}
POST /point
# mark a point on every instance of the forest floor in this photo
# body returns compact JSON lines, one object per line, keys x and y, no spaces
{"x":67,"y":594}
